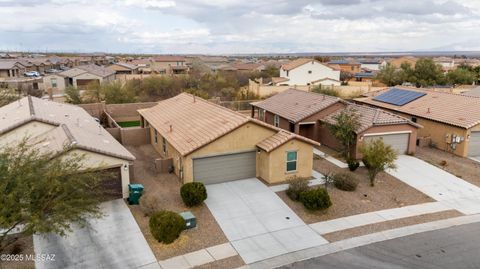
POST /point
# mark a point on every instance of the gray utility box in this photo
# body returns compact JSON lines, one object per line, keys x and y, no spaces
{"x":190,"y":220}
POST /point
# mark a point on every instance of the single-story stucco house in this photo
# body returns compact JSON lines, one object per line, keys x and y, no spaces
{"x":67,"y":130}
{"x":212,"y":144}
{"x":309,"y":114}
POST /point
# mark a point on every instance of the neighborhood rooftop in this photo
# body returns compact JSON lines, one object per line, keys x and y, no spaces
{"x":188,"y":122}
{"x":370,"y":117}
{"x":296,"y":105}
{"x":454,"y":109}
{"x":296,"y":63}
{"x":75,"y":126}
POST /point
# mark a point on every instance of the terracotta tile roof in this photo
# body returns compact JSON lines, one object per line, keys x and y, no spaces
{"x":97,"y":70}
{"x":196,"y":122}
{"x":296,"y":63}
{"x":169,"y":58}
{"x":275,"y":141}
{"x":279,"y":79}
{"x":249,"y":66}
{"x":295,"y":105}
{"x":9,"y":64}
{"x":370,"y":117}
{"x":453,"y":109}
{"x":84,"y":131}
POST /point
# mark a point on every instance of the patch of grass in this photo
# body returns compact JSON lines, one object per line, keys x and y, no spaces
{"x":126,"y":124}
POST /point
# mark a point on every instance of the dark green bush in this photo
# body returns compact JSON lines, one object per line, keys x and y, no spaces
{"x":193,"y":193}
{"x":345,"y":181}
{"x":352,"y":164}
{"x":315,"y":199}
{"x":166,"y":226}
{"x":295,"y":187}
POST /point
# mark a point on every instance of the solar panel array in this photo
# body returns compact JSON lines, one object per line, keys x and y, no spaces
{"x":398,"y":97}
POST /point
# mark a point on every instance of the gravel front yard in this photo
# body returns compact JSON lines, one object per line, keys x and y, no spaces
{"x":166,"y":187}
{"x":24,"y":247}
{"x":464,"y":168}
{"x":388,"y":192}
{"x":388,"y":225}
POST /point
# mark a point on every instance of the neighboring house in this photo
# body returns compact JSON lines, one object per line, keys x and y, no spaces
{"x":347,"y":65}
{"x":67,"y":130}
{"x":11,"y":69}
{"x":310,"y":114}
{"x":124,"y":68}
{"x":446,"y":63}
{"x":305,"y":71}
{"x":450,"y":121}
{"x":143,"y":65}
{"x":397,"y":62}
{"x":366,"y":76}
{"x":169,"y":65}
{"x":81,"y":76}
{"x":249,"y":67}
{"x":373,"y":65}
{"x":212,"y":144}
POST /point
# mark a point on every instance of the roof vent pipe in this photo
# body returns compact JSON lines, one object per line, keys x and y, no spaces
{"x":193,"y":100}
{"x":171,"y":128}
{"x":428,"y":110}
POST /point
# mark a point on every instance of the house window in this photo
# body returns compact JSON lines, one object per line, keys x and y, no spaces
{"x":261,"y":114}
{"x":276,"y":121}
{"x":291,"y":161}
{"x":156,"y":136}
{"x":164,"y":145}
{"x":309,"y":71}
{"x":414,"y":119}
{"x":287,"y":73}
{"x":54,"y":82}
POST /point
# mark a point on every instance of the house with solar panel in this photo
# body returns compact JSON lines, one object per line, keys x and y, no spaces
{"x":309,"y":114}
{"x":451,"y":122}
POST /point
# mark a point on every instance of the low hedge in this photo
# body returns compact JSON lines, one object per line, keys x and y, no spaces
{"x":166,"y":226}
{"x":295,"y":187}
{"x":193,"y":193}
{"x":345,"y":181}
{"x":315,"y":199}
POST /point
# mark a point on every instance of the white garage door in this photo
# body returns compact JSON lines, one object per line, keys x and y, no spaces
{"x":226,"y":167}
{"x":474,"y":144}
{"x":399,"y":142}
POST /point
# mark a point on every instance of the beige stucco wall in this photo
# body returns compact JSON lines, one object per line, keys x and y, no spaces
{"x":61,"y":83}
{"x":31,"y":129}
{"x":277,"y":168}
{"x":99,"y":161}
{"x":438,"y":131}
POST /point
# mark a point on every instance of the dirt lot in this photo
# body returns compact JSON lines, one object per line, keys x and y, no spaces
{"x":464,"y":168}
{"x":388,"y":225}
{"x":24,"y":247}
{"x":387,"y":193}
{"x":166,"y":188}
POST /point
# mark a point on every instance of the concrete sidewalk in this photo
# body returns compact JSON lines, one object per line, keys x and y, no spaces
{"x":354,"y":221}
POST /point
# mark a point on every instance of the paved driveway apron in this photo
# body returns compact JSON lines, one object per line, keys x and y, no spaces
{"x":438,"y":184}
{"x":257,"y":222}
{"x":114,"y":241}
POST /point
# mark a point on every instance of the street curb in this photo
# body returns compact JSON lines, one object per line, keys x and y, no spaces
{"x":359,"y":241}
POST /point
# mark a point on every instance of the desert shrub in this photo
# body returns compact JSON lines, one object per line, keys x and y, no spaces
{"x":17,"y":248}
{"x":166,"y":226}
{"x":295,"y":187}
{"x":315,"y":199}
{"x":193,"y":193}
{"x":345,"y":181}
{"x":148,"y":204}
{"x":352,"y":164}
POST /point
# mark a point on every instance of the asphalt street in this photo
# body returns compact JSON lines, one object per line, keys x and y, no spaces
{"x":453,"y":248}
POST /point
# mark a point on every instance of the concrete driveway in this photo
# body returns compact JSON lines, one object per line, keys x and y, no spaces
{"x":256,"y":221}
{"x":438,"y":184}
{"x":114,"y":241}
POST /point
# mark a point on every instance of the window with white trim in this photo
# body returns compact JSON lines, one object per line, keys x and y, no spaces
{"x":291,"y":161}
{"x":276,"y":121}
{"x":164,"y":145}
{"x":261,"y":114}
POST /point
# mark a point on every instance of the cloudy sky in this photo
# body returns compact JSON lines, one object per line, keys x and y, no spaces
{"x":239,"y":26}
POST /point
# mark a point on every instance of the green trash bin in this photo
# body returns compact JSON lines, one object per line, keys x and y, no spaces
{"x":135,"y":191}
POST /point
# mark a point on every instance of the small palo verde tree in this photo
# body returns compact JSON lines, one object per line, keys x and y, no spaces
{"x":377,"y":157}
{"x":42,"y":192}
{"x":347,"y":122}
